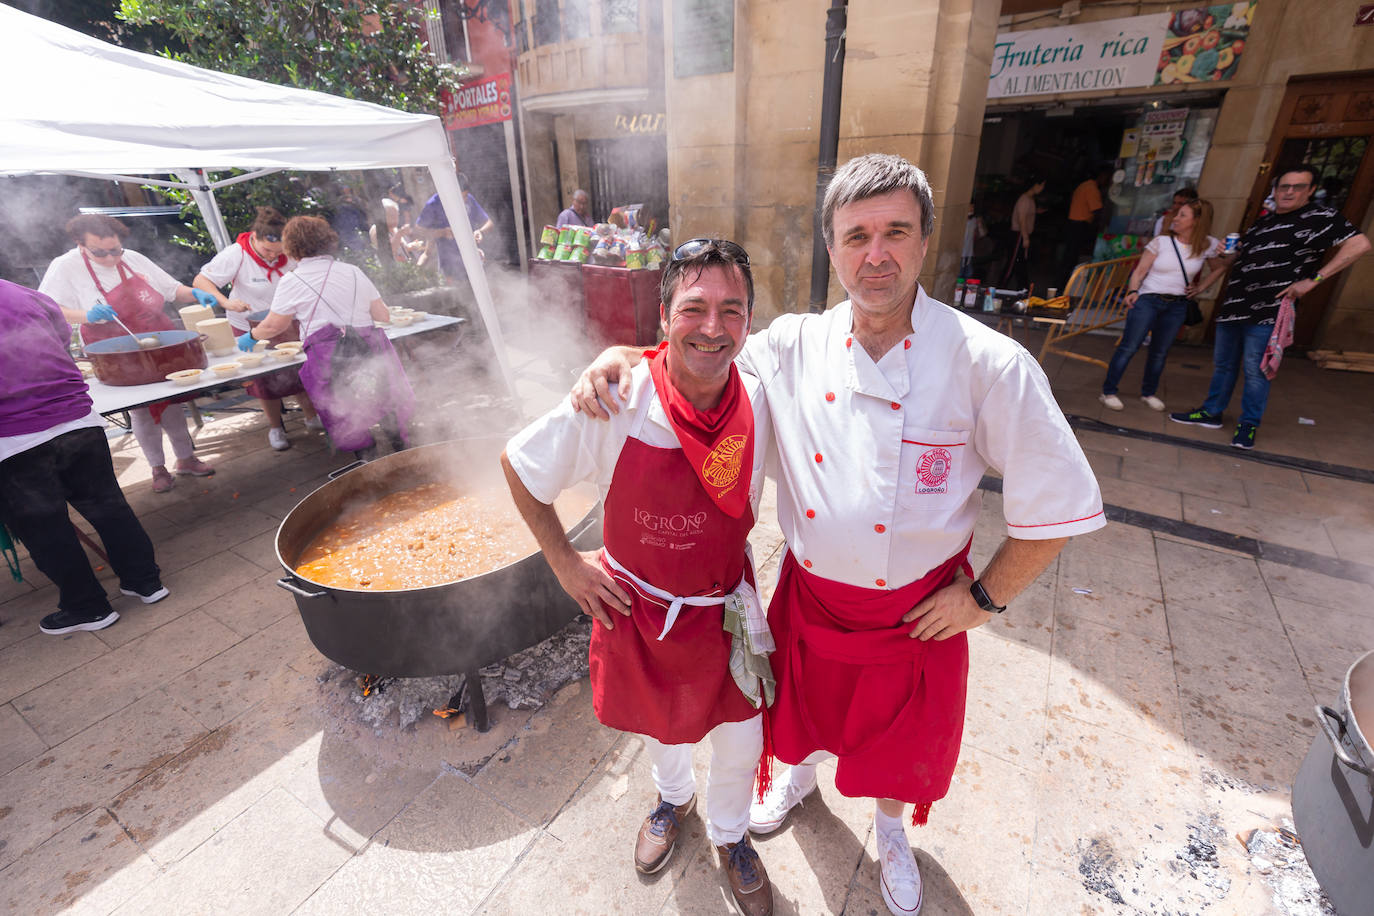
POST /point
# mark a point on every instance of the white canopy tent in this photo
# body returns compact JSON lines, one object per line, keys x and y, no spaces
{"x":79,"y":106}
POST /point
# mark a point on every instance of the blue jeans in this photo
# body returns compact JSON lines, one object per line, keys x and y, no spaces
{"x":1160,"y":318}
{"x":1240,"y":345}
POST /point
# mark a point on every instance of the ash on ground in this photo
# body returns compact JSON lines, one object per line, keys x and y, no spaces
{"x":526,"y":680}
{"x":1278,"y":856}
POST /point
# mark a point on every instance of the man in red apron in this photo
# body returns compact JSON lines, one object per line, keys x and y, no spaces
{"x":887,"y":410}
{"x":679,"y":641}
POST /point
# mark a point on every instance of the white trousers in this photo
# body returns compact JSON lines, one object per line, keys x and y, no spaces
{"x":149,"y":434}
{"x":735,"y":750}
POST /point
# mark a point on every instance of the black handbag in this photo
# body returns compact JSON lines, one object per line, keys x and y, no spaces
{"x":1193,"y":312}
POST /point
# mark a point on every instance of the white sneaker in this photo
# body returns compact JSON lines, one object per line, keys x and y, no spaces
{"x":1152,"y":402}
{"x":276,"y":437}
{"x":1112,"y":401}
{"x":768,"y":815}
{"x":315,"y":424}
{"x":899,"y":876}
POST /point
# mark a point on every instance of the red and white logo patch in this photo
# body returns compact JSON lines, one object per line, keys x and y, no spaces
{"x":932,"y":471}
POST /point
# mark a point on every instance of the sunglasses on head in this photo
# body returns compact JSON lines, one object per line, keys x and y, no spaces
{"x":105,"y":252}
{"x":731,"y":250}
{"x":269,"y":237}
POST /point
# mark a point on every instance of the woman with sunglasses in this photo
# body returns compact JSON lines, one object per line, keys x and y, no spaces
{"x":99,"y":280}
{"x":252,"y":267}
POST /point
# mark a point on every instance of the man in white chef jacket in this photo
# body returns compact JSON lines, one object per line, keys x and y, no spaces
{"x":887,"y":410}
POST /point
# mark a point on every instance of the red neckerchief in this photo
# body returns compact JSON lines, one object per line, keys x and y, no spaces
{"x":276,"y":265}
{"x":718,"y":443}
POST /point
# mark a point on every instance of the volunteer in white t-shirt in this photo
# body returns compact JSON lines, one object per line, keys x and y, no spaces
{"x":253,"y":266}
{"x":680,"y":472}
{"x":334,"y":300}
{"x":99,"y":280}
{"x":1157,"y":293}
{"x":887,"y":410}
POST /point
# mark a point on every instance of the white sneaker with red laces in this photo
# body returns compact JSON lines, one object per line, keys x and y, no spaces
{"x":899,"y":876}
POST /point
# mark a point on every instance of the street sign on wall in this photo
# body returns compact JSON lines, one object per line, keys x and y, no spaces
{"x":479,"y":102}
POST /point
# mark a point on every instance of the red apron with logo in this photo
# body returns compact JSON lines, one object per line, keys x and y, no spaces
{"x":663,"y":527}
{"x":134,"y":300}
{"x":139,"y":306}
{"x":851,"y":681}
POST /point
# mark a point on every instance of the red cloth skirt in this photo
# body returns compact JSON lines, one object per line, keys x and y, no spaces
{"x":852,"y":682}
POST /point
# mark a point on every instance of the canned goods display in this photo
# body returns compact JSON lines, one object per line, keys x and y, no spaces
{"x":566,"y":235}
{"x":549,"y":236}
{"x":563,"y":253}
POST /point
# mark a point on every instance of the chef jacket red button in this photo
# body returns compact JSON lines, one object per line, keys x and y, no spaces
{"x":880,"y":582}
{"x":810,"y":513}
{"x":906,"y":345}
{"x":849,"y":341}
{"x":880,"y":528}
{"x":896,"y":406}
{"x":806,"y":563}
{"x":830,"y":395}
{"x":818,"y":457}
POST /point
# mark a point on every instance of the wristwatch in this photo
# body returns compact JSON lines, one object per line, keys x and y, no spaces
{"x":980,"y":595}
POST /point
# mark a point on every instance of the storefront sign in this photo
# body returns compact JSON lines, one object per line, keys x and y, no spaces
{"x":1092,"y":57}
{"x":481,"y":102}
{"x":703,"y":37}
{"x":1201,"y":44}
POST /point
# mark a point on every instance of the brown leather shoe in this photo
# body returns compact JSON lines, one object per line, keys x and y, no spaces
{"x":658,"y":834}
{"x":748,"y":878}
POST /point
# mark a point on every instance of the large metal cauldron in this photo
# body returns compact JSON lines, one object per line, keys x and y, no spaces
{"x":1333,"y":796}
{"x":454,"y":628}
{"x":121,"y":361}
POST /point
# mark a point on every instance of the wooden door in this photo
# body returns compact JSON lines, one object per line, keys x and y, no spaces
{"x":1327,"y":123}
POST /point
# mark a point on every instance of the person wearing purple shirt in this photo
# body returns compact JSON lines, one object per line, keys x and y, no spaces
{"x":434,"y":221}
{"x":53,"y":452}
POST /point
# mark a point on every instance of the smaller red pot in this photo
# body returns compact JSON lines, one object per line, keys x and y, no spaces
{"x":121,"y":361}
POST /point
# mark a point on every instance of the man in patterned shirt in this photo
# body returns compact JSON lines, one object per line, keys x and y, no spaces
{"x":1275,"y":259}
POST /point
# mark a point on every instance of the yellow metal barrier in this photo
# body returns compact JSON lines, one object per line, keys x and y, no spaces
{"x":1097,"y":293}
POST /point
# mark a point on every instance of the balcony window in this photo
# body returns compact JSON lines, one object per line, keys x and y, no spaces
{"x":577,"y":19}
{"x":619,"y":16}
{"x":547,"y":30}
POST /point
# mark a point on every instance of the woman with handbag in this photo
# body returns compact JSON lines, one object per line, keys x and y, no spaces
{"x":1158,"y":294}
{"x":351,"y":372}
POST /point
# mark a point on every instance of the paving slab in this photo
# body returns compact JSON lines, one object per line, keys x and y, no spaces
{"x":91,"y":866}
{"x":446,"y":852}
{"x":1007,"y":699}
{"x":1327,"y":642}
{"x":189,"y":589}
{"x":1215,"y":583}
{"x":39,"y":658}
{"x":19,"y":743}
{"x":1115,"y":680}
{"x":239,"y":869}
{"x":53,"y":791}
{"x":1300,"y":532}
{"x":1285,"y":581}
{"x":84,"y":696}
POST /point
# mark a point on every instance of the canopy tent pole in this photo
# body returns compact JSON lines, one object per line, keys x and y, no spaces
{"x":445,"y":180}
{"x":199,"y":187}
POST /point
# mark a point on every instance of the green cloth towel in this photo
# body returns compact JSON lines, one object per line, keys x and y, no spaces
{"x":750,"y":645}
{"x":11,"y":557}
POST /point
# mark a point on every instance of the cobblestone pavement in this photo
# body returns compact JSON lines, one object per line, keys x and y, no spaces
{"x":1146,"y":700}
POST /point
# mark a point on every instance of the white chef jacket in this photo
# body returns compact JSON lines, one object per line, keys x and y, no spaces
{"x":878,"y":465}
{"x":69,"y":283}
{"x":563,"y":448}
{"x":249,"y":279}
{"x":347,"y":295}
